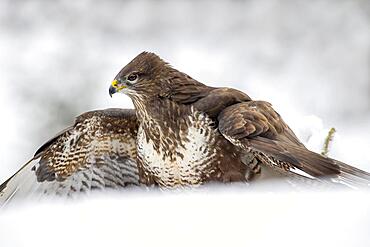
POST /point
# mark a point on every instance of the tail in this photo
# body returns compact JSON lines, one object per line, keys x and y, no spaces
{"x":351,"y":176}
{"x":333,"y":170}
{"x":314,"y":164}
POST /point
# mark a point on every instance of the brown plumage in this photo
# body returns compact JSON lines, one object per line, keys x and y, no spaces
{"x":182,"y":133}
{"x":98,"y":151}
{"x":191,"y":133}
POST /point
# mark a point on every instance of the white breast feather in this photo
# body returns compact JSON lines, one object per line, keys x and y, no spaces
{"x":198,"y":152}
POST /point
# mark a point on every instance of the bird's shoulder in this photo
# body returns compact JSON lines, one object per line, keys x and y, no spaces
{"x":255,"y":118}
{"x":219,"y":99}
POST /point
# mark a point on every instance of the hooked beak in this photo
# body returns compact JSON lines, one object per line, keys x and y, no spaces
{"x":115,"y":87}
{"x":112,"y":90}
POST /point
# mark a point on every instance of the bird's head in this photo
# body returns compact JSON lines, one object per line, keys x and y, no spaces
{"x":146,"y":76}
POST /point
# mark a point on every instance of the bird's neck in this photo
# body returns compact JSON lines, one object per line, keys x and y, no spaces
{"x":161,"y":111}
{"x":163,"y":122}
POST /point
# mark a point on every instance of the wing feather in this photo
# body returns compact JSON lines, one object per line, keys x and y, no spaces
{"x":257,"y":127}
{"x":98,"y":151}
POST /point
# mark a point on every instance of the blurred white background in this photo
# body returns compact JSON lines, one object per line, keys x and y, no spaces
{"x":57,"y":59}
{"x":311,"y":59}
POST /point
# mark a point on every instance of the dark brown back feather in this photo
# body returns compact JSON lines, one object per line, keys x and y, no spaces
{"x":218,"y":99}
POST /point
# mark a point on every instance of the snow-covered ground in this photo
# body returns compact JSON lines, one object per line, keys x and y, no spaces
{"x":230,"y":216}
{"x":309,"y":58}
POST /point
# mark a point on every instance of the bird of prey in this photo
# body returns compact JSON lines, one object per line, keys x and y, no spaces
{"x":181,"y":133}
{"x":98,"y":151}
{"x":190,"y":133}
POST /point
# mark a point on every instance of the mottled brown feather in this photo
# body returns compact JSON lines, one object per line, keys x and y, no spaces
{"x":98,"y":151}
{"x":101,"y":126}
{"x":218,"y":99}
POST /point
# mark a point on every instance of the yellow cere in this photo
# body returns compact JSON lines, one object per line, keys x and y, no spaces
{"x":116,"y":86}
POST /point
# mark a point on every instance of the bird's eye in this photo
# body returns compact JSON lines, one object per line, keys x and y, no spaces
{"x":132,"y":77}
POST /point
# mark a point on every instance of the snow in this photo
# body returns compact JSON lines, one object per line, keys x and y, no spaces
{"x":310,"y":59}
{"x":212,"y":217}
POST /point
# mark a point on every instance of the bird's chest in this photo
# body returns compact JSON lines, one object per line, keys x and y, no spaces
{"x":180,"y":152}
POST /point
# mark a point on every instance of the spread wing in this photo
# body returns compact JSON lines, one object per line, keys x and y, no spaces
{"x":98,"y":151}
{"x":257,"y":128}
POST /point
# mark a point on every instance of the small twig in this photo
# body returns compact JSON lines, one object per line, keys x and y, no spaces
{"x":328,"y":140}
